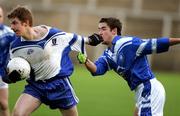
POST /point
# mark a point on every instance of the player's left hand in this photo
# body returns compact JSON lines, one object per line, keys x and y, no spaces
{"x":95,"y":39}
{"x":81,"y":58}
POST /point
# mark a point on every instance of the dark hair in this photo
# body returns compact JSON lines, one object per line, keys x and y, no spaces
{"x":112,"y":23}
{"x":22,"y":13}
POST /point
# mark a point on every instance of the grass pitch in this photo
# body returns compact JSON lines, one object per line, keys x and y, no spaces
{"x":107,"y":95}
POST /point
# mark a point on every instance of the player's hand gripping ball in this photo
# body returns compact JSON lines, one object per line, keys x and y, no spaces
{"x":19,"y":66}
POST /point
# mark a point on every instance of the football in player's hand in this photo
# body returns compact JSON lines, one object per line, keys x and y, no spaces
{"x":20,"y":65}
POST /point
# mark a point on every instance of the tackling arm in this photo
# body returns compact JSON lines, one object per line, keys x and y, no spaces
{"x":90,"y":66}
{"x":88,"y":63}
{"x":98,"y":68}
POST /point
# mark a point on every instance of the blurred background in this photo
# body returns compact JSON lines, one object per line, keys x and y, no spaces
{"x":144,"y":18}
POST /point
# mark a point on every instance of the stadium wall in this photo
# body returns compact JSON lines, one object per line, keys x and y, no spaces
{"x":143,"y":18}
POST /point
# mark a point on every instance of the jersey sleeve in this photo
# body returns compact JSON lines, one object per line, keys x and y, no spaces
{"x":77,"y":43}
{"x":102,"y":66}
{"x":149,"y":46}
{"x":12,"y":37}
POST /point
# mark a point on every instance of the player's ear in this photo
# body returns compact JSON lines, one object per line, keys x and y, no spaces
{"x":26,"y":23}
{"x":114,"y":31}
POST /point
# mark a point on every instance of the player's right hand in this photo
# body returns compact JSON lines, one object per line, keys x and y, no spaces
{"x":13,"y":77}
{"x":81,"y":58}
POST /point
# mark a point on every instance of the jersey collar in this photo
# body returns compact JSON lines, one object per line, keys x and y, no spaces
{"x":1,"y":26}
{"x":116,"y":38}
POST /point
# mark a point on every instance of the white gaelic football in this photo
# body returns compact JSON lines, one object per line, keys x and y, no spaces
{"x":20,"y":65}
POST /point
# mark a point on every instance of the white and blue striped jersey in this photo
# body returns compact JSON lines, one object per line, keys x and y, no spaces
{"x":6,"y":37}
{"x":127,"y":57}
{"x":49,"y":55}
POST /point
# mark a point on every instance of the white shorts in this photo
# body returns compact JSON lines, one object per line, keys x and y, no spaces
{"x":3,"y":84}
{"x":150,"y":98}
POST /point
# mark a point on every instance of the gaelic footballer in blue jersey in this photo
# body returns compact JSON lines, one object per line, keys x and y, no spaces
{"x":126,"y":55}
{"x":6,"y":37}
{"x":47,"y":50}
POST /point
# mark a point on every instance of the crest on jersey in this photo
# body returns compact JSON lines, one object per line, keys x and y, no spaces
{"x":30,"y":51}
{"x":54,"y":41}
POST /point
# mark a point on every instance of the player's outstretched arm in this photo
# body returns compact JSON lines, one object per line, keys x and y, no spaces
{"x":90,"y":66}
{"x":174,"y":41}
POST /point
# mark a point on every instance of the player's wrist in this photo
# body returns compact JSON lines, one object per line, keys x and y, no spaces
{"x":86,"y":60}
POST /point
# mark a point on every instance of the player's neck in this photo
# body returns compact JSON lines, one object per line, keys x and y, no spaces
{"x":35,"y":33}
{"x":29,"y":34}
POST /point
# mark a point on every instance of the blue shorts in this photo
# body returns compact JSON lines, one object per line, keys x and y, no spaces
{"x":56,"y":92}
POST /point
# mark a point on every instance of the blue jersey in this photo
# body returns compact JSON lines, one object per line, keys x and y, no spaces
{"x":6,"y":37}
{"x":49,"y":55}
{"x":127,"y":57}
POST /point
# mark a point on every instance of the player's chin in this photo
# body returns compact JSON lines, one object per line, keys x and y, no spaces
{"x":105,"y":43}
{"x":18,"y":34}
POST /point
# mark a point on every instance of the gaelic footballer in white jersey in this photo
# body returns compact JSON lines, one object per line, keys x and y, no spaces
{"x":49,"y":55}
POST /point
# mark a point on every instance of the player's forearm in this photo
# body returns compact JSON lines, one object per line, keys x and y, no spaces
{"x":90,"y":66}
{"x":174,"y":41}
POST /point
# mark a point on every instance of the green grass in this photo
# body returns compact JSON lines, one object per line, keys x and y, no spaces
{"x":107,"y":95}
